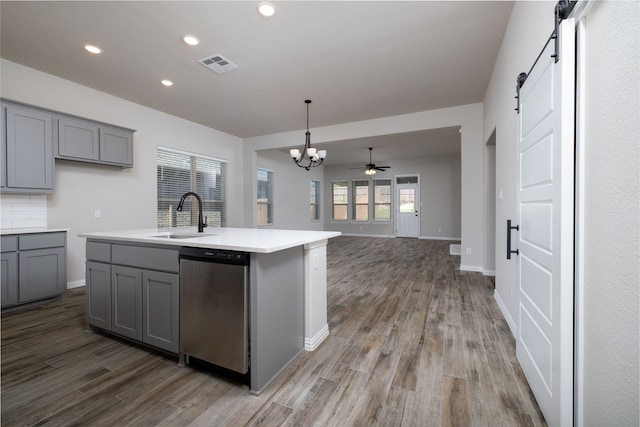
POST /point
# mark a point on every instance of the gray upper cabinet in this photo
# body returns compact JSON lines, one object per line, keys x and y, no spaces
{"x":93,"y":142}
{"x":27,"y":147}
{"x":116,"y":146}
{"x":77,"y":140}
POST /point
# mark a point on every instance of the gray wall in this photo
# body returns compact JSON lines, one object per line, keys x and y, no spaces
{"x":611,"y":215}
{"x":440,"y":196}
{"x":291,"y":191}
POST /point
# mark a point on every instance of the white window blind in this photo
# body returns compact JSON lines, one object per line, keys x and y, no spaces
{"x":180,"y":172}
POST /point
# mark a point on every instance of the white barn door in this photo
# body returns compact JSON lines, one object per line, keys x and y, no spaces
{"x":546,"y":219}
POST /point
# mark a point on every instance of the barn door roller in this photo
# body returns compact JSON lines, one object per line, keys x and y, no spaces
{"x":561,"y":12}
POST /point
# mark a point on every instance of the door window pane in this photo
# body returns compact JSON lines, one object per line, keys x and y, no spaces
{"x":407,"y":200}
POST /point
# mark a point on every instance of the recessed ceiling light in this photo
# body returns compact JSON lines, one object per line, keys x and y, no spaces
{"x":191,"y":40}
{"x":166,"y":82}
{"x":93,"y":49}
{"x":266,"y":8}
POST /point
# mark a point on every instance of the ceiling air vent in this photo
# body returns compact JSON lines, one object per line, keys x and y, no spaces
{"x":218,"y":63}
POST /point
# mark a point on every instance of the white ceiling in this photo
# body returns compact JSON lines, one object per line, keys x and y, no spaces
{"x":357,"y":60}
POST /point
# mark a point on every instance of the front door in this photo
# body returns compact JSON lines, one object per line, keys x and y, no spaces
{"x":407,"y":210}
{"x":544,"y":344}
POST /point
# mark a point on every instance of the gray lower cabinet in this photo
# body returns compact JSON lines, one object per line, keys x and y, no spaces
{"x":42,"y":273}
{"x":160,"y":307}
{"x":27,"y":148}
{"x":98,"y":294}
{"x":88,"y":141}
{"x":133,"y":300}
{"x":33,"y":267}
{"x":9,"y":277}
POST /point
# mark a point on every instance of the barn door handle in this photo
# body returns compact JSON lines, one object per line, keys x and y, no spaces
{"x":509,"y":228}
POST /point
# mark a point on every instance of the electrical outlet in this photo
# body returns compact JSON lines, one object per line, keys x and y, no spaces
{"x":97,"y":213}
{"x":468,"y":251}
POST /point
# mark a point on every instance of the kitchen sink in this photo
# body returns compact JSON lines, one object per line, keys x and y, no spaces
{"x":182,"y":235}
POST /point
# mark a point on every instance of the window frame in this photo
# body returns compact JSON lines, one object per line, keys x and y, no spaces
{"x":376,"y":203}
{"x":333,"y":201}
{"x":314,"y":200}
{"x":219,"y":205}
{"x":357,"y":183}
{"x":270,"y":196}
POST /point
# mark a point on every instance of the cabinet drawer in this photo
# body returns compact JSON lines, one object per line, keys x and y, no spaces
{"x":143,"y":257}
{"x":97,"y":251}
{"x":42,"y":240}
{"x":9,"y":243}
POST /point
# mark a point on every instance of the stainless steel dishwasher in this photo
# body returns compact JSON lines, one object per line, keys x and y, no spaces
{"x":214,"y":307}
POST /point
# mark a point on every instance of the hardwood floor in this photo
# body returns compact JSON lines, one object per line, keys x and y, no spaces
{"x":414,"y":342}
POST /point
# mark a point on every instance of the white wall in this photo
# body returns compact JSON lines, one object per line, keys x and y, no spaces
{"x":126,"y":197}
{"x":291,"y":192}
{"x":468,"y":117}
{"x":611,"y":215}
{"x":440,"y":196}
{"x":529,"y":27}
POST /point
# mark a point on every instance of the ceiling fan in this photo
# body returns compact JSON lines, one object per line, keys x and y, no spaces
{"x":370,"y":168}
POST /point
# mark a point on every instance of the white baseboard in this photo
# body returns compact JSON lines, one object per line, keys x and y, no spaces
{"x":310,"y":344}
{"x":475,"y":268}
{"x":75,"y":284}
{"x":505,"y":313}
{"x":439,"y":238}
{"x":489,"y":272}
{"x":384,"y":236}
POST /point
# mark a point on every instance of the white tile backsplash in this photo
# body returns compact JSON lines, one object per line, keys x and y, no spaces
{"x":23,"y":211}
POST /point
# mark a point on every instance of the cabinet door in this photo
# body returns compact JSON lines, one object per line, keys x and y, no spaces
{"x":77,"y":140}
{"x":42,"y":274}
{"x":160,"y":310}
{"x":126,"y":301}
{"x":116,"y":146}
{"x":98,"y":294}
{"x":9,"y":277}
{"x":29,"y":149}
{"x":3,"y":146}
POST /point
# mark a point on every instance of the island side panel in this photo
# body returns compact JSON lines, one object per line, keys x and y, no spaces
{"x":316,"y":328}
{"x":277,"y":313}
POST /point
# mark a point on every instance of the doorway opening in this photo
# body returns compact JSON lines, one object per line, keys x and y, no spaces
{"x":490,"y":200}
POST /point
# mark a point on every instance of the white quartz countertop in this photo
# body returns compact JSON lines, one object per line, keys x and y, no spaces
{"x":13,"y":231}
{"x":260,"y":240}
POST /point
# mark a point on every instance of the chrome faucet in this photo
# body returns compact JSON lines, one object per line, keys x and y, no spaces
{"x":201,"y":224}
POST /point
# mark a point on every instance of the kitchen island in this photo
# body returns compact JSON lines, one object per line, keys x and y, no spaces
{"x":133,"y":288}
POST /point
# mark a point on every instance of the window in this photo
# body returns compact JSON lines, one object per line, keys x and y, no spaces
{"x":360,"y":200}
{"x":314,"y":194}
{"x":265,"y":197}
{"x":179,"y":172}
{"x":340,"y":200}
{"x":382,"y":200}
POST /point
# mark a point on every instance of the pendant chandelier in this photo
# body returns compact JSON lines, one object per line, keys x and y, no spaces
{"x":313,"y":157}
